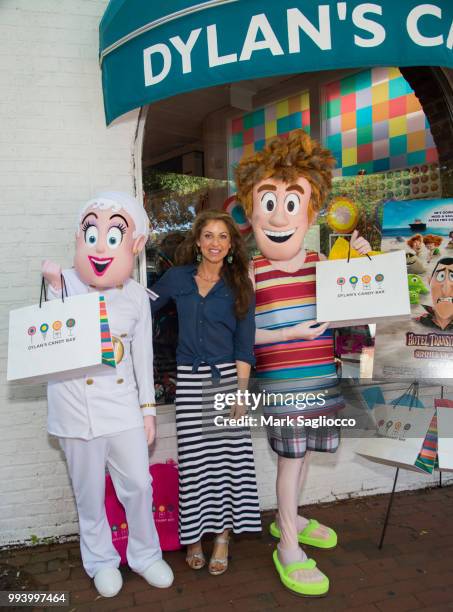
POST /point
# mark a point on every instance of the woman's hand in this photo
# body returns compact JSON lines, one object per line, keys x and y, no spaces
{"x":149,"y":423}
{"x":237,"y":411}
{"x":52,"y":273}
{"x":359,"y":243}
{"x":304,"y":331}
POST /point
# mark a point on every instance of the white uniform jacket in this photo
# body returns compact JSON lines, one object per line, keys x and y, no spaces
{"x":113,"y":400}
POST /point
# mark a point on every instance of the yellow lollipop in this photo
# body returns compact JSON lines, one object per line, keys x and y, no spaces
{"x":342,"y":215}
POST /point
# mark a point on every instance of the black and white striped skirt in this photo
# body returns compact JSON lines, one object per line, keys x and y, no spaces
{"x":217,"y":480}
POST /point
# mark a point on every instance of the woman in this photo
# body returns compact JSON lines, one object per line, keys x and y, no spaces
{"x":214,"y":299}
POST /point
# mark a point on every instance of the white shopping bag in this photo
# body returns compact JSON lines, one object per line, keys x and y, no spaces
{"x":60,"y":339}
{"x":399,"y":435}
{"x":445,"y":434}
{"x":362,"y":290}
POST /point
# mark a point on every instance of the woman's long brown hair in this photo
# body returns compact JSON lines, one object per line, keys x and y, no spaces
{"x":235,"y":274}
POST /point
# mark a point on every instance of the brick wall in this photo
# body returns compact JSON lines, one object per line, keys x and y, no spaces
{"x":55,"y":151}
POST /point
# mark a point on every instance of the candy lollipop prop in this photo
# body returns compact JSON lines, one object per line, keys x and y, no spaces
{"x":31,"y":332}
{"x":354,"y":280}
{"x":342,"y":215}
{"x":44,"y":329}
{"x":70,"y":323}
{"x":235,"y":209}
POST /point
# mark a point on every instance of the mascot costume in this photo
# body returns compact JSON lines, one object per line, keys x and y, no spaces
{"x":109,"y":419}
{"x":282,"y":189}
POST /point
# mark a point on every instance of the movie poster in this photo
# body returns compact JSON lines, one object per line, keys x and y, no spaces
{"x":422,"y":347}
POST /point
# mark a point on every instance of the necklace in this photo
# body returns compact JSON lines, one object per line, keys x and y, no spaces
{"x":208,"y":280}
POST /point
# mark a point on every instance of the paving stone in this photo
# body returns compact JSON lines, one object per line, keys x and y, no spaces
{"x":413,"y":571}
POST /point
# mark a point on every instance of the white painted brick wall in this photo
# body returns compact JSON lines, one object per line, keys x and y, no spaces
{"x":55,"y":151}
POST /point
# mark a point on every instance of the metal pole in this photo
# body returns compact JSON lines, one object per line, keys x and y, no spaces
{"x":389,"y":507}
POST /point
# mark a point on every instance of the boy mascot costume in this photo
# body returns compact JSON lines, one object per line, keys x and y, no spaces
{"x":109,"y":419}
{"x":282,"y":188}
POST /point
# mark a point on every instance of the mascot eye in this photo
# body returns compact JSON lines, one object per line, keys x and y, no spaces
{"x":269,"y":202}
{"x":292,"y":203}
{"x":414,"y":281}
{"x":450,"y":276}
{"x":114,"y":237}
{"x":440,"y":276}
{"x":91,"y":235}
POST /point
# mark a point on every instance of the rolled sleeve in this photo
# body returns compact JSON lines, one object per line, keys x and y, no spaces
{"x":142,"y":358}
{"x":244,"y":337}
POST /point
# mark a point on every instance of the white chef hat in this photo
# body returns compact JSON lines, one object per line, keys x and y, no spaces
{"x":117,"y":200}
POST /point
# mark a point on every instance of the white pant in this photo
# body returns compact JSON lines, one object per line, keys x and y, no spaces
{"x":126,"y":455}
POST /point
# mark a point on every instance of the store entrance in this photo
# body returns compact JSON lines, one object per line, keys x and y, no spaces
{"x":389,"y":130}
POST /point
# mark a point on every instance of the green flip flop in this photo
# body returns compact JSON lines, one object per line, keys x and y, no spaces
{"x":306,"y":589}
{"x":305,"y":536}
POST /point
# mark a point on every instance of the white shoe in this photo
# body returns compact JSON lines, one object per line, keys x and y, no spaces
{"x":108,"y":582}
{"x":159,"y":575}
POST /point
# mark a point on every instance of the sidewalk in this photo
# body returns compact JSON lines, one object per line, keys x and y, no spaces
{"x":414,"y":571}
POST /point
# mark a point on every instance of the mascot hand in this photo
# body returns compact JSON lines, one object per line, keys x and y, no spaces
{"x":308,"y":330}
{"x":359,"y":243}
{"x":149,"y":423}
{"x":52,"y":273}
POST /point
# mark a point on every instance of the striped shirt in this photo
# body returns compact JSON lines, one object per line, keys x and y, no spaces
{"x":284,"y":299}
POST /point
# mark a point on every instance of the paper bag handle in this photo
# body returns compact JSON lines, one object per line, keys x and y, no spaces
{"x":64,"y":290}
{"x":412,"y":391}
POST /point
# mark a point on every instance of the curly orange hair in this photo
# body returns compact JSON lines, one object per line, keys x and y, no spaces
{"x":288,"y":159}
{"x":414,"y":239}
{"x":432,"y":239}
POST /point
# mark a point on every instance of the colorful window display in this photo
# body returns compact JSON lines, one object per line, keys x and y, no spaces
{"x":249,"y":133}
{"x":373,"y":122}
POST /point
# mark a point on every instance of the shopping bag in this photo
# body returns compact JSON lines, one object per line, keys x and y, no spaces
{"x":60,"y":338}
{"x":427,"y":457}
{"x":362,"y":290}
{"x":166,"y":503}
{"x":165,"y":509}
{"x":398,"y":437}
{"x":445,"y":432}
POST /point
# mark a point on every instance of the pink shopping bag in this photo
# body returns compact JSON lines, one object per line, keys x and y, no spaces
{"x":165,"y":509}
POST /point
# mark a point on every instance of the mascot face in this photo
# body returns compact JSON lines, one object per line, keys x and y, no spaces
{"x":442,"y":290}
{"x":105,"y":247}
{"x":280,"y":217}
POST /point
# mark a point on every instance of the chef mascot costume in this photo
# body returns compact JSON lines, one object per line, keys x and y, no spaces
{"x":109,"y":419}
{"x":282,"y":188}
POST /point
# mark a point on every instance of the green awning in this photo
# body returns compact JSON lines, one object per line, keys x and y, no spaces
{"x":153,"y":50}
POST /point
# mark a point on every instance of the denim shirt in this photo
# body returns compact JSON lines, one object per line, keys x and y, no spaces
{"x":209,"y":331}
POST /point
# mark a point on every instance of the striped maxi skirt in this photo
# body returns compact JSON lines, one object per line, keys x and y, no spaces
{"x":217,"y":480}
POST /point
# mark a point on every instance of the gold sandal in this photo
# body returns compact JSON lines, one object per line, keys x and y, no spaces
{"x":196,"y":561}
{"x":216,"y":561}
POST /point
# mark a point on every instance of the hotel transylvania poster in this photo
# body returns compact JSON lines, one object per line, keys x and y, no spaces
{"x":422,"y":346}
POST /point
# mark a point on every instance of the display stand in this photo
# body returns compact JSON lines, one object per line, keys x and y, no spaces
{"x":414,"y":388}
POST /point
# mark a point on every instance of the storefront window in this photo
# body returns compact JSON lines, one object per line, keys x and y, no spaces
{"x":373,"y":122}
{"x":250,"y":132}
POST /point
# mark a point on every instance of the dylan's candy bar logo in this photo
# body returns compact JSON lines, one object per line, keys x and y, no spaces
{"x":59,"y":333}
{"x":393,"y":429}
{"x":363,"y":285}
